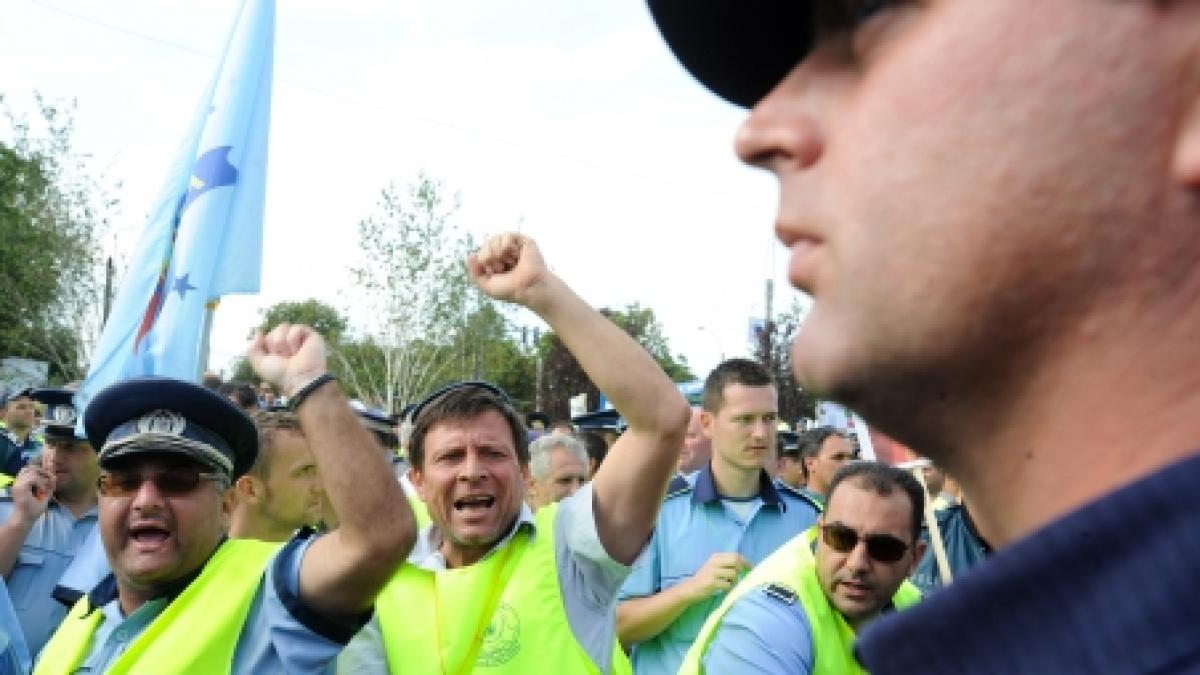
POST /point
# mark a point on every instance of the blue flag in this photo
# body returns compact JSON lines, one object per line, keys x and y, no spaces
{"x":204,"y":236}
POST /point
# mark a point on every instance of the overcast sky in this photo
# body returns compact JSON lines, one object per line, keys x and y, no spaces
{"x":569,"y":119}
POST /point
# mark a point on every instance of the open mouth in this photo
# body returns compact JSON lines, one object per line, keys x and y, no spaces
{"x":474,"y":503}
{"x":148,"y":536}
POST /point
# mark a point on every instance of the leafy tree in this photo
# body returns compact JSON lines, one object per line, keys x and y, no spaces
{"x":415,"y":283}
{"x":326,"y":319}
{"x":773,"y":350}
{"x":563,"y":377}
{"x":53,"y":211}
{"x":487,"y":349}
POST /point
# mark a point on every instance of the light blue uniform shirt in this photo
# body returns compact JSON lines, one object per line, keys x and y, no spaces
{"x":695,"y":522}
{"x":89,"y":568}
{"x":588,"y":579}
{"x":762,"y":634}
{"x":280,"y":635}
{"x":45,"y":555}
{"x":14,"y":653}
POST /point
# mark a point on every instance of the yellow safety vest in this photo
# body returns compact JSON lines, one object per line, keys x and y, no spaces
{"x":504,"y":614}
{"x":794,"y":567}
{"x":6,"y":480}
{"x":197,"y":633}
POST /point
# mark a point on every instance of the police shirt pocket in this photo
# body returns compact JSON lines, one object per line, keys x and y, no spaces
{"x":22,"y":583}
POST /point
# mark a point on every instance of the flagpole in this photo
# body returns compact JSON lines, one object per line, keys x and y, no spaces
{"x":210,"y":308}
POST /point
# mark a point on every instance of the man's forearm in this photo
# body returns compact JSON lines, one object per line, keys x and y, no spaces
{"x":640,"y":619}
{"x":376,"y":528}
{"x":13,"y":534}
{"x":618,"y":366}
{"x":629,"y":486}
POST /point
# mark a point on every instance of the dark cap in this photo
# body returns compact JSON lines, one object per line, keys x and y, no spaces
{"x":162,"y":415}
{"x":16,"y":394}
{"x":61,"y":414}
{"x":379,"y":422}
{"x":739,"y":49}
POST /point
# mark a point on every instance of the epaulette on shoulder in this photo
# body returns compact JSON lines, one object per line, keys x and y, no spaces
{"x":802,"y":495}
{"x":781,"y":593}
{"x":678,"y":486}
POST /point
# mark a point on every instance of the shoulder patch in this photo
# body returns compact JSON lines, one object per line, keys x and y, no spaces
{"x":802,"y":495}
{"x":781,"y":593}
{"x":678,"y":486}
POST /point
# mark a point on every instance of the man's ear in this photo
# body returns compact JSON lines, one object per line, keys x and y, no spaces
{"x":918,"y":555}
{"x":707,"y":421}
{"x":418,"y":481}
{"x":245,"y":489}
{"x":1185,"y":165}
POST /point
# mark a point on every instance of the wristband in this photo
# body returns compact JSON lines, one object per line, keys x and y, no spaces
{"x":304,"y":392}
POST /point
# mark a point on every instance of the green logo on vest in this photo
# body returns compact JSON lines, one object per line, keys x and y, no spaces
{"x":502,"y":639}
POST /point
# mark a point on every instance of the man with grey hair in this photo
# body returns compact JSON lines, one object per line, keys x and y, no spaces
{"x":558,"y":466}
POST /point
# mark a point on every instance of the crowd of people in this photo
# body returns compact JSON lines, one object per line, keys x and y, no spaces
{"x":993,"y":204}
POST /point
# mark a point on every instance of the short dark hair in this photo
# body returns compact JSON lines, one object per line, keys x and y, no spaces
{"x":881,"y":479}
{"x":245,"y":396}
{"x":597,"y":448}
{"x":733,"y":371}
{"x":211,"y":381}
{"x":464,"y":403}
{"x":268,"y":424}
{"x":812,"y":440}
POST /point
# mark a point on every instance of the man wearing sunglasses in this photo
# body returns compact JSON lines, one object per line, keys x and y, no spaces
{"x":798,"y":611}
{"x":184,"y":598}
{"x":490,"y":583}
{"x":47,"y":515}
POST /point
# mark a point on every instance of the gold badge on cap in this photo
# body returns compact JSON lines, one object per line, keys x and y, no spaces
{"x":162,"y":422}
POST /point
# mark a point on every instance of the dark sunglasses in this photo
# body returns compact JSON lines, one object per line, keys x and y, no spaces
{"x":173,"y":482}
{"x":880,"y":547}
{"x":469,"y":384}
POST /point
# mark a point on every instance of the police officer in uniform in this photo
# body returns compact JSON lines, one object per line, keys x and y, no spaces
{"x":716,"y":522}
{"x":184,"y":598}
{"x":798,"y":612}
{"x":47,"y":515}
{"x":17,"y":441}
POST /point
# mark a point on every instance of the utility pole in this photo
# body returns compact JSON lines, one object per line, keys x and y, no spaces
{"x":109,"y":272}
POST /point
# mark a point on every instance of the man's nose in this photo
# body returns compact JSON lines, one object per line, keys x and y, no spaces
{"x":782,"y":132}
{"x":147,"y":496}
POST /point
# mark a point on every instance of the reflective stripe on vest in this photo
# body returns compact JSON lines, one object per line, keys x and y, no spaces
{"x":197,"y":633}
{"x":794,"y":566}
{"x":433,"y":623}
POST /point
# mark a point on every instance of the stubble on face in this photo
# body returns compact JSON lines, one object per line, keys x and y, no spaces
{"x":973,"y":197}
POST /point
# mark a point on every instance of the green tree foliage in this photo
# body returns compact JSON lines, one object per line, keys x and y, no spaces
{"x":563,"y":377}
{"x":414,"y":281}
{"x":487,"y":349}
{"x":773,"y":350}
{"x":52,"y":214}
{"x":326,"y":319}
